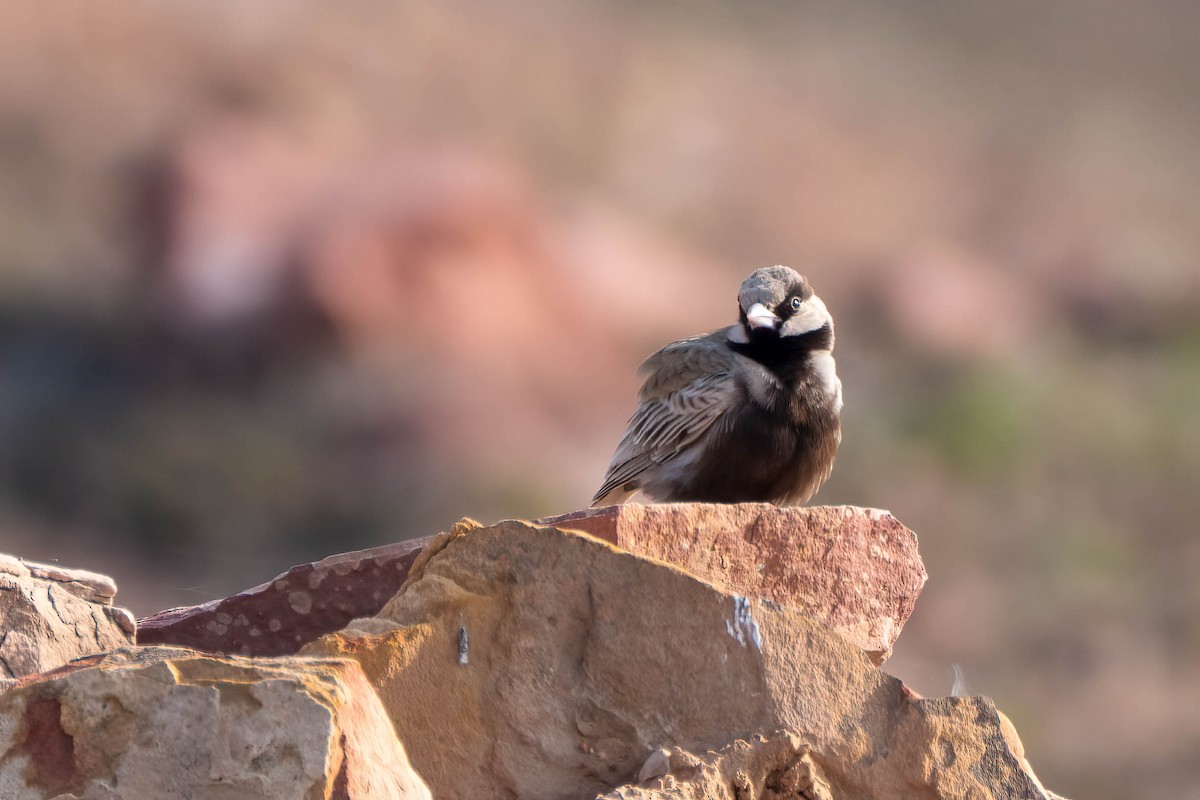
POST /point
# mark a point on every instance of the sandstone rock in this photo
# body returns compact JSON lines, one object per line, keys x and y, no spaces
{"x":167,"y":722}
{"x":82,"y":583}
{"x":50,"y":615}
{"x":278,"y":617}
{"x":856,"y":570}
{"x":956,"y":743}
{"x":554,"y":664}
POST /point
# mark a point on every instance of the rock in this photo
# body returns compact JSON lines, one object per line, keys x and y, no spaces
{"x":50,"y":615}
{"x":954,"y":303}
{"x":934,"y":734}
{"x":167,"y":722}
{"x":584,"y":659}
{"x":856,"y":570}
{"x":279,"y":246}
{"x":656,"y":765}
{"x":86,"y":585}
{"x":278,"y":617}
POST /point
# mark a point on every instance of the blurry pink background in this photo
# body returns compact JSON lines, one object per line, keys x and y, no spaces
{"x":280,"y":280}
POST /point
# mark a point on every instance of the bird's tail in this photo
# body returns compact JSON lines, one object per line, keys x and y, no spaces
{"x":613,"y":497}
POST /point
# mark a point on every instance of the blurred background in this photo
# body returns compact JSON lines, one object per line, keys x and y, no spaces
{"x":285,"y":279}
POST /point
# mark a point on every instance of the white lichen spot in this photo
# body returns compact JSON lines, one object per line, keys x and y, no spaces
{"x":301,"y":602}
{"x":743,"y":628}
{"x":274,"y":625}
{"x":657,"y":765}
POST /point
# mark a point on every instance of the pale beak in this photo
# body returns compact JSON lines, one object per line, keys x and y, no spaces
{"x":759,"y":316}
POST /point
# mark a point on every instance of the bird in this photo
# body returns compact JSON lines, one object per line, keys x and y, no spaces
{"x":746,"y":413}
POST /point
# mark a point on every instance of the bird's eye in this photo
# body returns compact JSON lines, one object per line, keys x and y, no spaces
{"x":796,"y":301}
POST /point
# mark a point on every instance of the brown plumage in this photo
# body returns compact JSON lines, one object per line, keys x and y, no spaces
{"x":745,"y":413}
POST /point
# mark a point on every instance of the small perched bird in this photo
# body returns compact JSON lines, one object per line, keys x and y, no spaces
{"x":745,"y":413}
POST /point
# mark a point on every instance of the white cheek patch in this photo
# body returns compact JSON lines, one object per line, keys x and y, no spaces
{"x":825,"y":368}
{"x":811,"y":316}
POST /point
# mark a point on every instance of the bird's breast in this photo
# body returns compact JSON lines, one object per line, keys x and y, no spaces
{"x":824,"y":379}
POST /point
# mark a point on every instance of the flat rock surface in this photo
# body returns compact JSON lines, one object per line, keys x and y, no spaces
{"x":552,"y":664}
{"x":50,"y":615}
{"x":169,"y":723}
{"x":280,"y":616}
{"x":857,"y":570}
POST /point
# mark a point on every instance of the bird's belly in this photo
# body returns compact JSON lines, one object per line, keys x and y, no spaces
{"x":753,"y":460}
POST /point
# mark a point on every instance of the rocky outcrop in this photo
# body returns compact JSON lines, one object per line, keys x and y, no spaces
{"x":559,"y":664}
{"x":280,"y":616}
{"x":675,"y":651}
{"x":50,"y":615}
{"x":856,"y":570}
{"x":786,"y":764}
{"x":165,"y":722}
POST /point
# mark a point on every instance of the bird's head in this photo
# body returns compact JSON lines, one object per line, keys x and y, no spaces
{"x":776,"y":302}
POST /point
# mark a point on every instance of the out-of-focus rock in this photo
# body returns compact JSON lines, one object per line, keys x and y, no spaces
{"x":231,"y":191}
{"x":856,"y":570}
{"x":280,"y":616}
{"x":166,"y":722}
{"x":251,"y":211}
{"x":555,"y":664}
{"x":950,"y":302}
{"x":274,"y":244}
{"x":50,"y":615}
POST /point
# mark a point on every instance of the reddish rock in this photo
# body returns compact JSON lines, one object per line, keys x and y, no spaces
{"x":282,"y":615}
{"x":954,"y":303}
{"x":856,"y":570}
{"x":276,"y":244}
{"x":524,"y":661}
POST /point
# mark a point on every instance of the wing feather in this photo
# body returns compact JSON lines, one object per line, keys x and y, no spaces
{"x":689,"y":385}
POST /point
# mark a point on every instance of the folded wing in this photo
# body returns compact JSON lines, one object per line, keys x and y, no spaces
{"x":689,"y":385}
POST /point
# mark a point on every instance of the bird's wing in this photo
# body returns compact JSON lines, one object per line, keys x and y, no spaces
{"x":689,"y":385}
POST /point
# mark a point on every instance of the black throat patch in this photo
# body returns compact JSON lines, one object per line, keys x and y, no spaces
{"x":785,"y":356}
